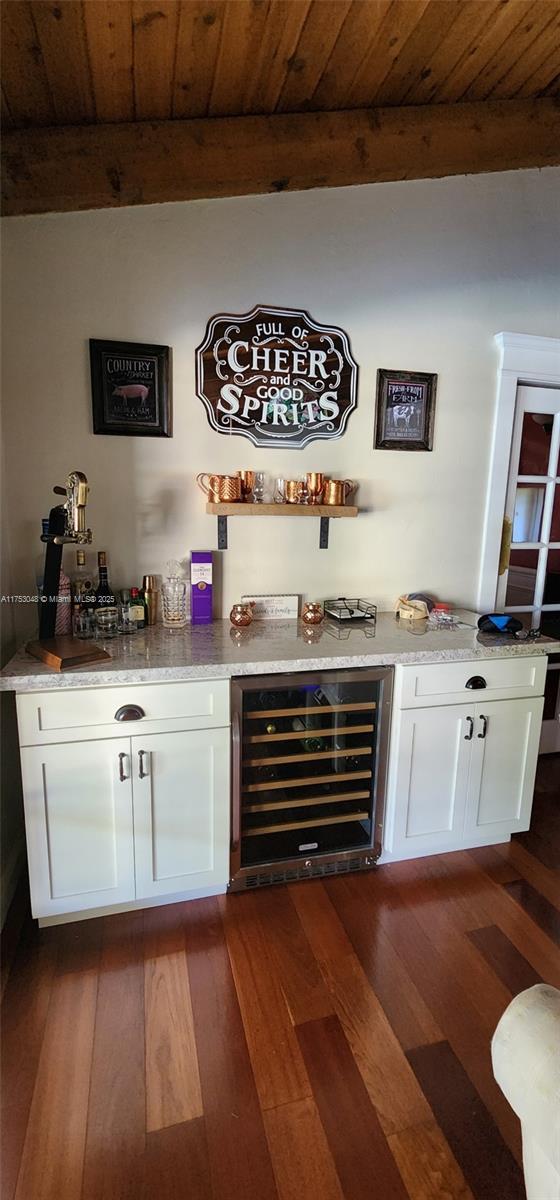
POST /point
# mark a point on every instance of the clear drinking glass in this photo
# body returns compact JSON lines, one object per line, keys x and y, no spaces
{"x":106,"y":625}
{"x":84,"y":625}
{"x":258,"y":487}
{"x":279,"y":493}
{"x":125,"y":623}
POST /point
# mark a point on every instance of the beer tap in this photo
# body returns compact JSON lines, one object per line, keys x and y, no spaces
{"x":67,"y":523}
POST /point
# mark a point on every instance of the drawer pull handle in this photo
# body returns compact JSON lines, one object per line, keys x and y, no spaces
{"x":122,"y":775}
{"x":475,"y":682}
{"x":470,"y":723}
{"x":129,"y":712}
{"x":484,"y":726}
{"x":142,"y":773}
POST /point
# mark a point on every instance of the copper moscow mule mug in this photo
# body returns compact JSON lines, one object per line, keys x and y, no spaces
{"x":220,"y":488}
{"x":247,"y":479}
{"x":292,"y":491}
{"x":337,"y":491}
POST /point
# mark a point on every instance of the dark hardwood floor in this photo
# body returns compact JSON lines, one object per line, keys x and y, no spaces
{"x":322,"y":1041}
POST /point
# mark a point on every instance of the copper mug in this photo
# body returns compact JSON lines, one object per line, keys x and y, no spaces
{"x":247,"y":480}
{"x":336,"y":491}
{"x":293,"y":489}
{"x":220,"y":489}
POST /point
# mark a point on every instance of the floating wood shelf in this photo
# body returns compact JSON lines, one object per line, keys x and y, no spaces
{"x":242,"y":509}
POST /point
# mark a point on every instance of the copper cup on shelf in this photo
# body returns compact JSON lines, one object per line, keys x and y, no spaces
{"x":315,"y":485}
{"x":293,"y":489}
{"x":337,"y":491}
{"x":247,"y":479}
{"x":210,"y":485}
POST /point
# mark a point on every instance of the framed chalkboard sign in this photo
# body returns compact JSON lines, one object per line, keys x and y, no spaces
{"x":131,"y":389}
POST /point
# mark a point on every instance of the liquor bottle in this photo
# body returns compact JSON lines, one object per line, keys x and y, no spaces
{"x":104,"y":595}
{"x":137,"y":609}
{"x":81,"y":582}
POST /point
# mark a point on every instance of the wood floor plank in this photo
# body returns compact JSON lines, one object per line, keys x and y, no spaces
{"x":428,"y":1167}
{"x":53,"y":1154}
{"x":24,"y":1014}
{"x":301,"y":981}
{"x":358,"y":1144}
{"x":303,"y":1164}
{"x":495,"y":906}
{"x":17,"y":919}
{"x":408,"y":1015}
{"x":487,"y":1164}
{"x":366,"y":901}
{"x":543,"y":879}
{"x":509,"y":965}
{"x":545,"y":915}
{"x":390,"y":1083}
{"x":493,"y":864}
{"x":239,"y":1158}
{"x":172,"y":1078}
{"x":435,"y":911}
{"x":278,"y":1067}
{"x":175,"y":1164}
{"x":115,"y":1139}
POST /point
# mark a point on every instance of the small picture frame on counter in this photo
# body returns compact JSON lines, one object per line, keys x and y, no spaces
{"x":405,"y":407}
{"x":130,"y":388}
{"x":271,"y":607}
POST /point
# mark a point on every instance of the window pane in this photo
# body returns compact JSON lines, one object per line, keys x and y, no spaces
{"x":522,"y":574}
{"x":555,"y":526}
{"x":552,"y":581}
{"x":529,"y":501}
{"x":535,"y":444}
{"x":551,"y":705}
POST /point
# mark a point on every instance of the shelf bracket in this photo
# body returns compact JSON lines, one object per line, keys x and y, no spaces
{"x":324,"y":534}
{"x":222,"y":533}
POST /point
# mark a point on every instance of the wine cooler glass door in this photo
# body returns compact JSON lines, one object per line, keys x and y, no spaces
{"x":311,"y":766}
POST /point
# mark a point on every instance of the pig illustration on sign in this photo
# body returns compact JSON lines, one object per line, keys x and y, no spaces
{"x":132,"y":391}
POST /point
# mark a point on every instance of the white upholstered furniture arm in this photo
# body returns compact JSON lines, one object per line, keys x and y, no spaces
{"x":526,"y":1062}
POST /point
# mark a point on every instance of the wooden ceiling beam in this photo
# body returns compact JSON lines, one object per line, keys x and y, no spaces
{"x":111,"y":166}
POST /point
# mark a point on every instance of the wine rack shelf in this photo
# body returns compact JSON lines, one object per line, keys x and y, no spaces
{"x":325,"y":709}
{"x":295,"y":734}
{"x":309,"y":756}
{"x":243,"y":509}
{"x":258,"y":830}
{"x":307,"y":781}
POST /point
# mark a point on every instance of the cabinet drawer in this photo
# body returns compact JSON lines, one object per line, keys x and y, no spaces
{"x":91,"y":712}
{"x":446,"y":683}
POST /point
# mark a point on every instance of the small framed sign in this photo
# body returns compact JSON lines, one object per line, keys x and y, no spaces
{"x":405,"y":410}
{"x":270,"y":607}
{"x":131,"y":388}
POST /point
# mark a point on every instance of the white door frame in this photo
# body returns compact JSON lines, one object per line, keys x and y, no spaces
{"x":525,"y":359}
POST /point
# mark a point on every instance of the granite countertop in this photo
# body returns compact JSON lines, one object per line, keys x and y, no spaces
{"x":217,"y":651}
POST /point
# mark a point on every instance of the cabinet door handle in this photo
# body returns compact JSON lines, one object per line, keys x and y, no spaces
{"x":129,"y":712}
{"x":142,"y":773}
{"x":470,"y":723}
{"x":484,"y":726}
{"x":122,"y":775}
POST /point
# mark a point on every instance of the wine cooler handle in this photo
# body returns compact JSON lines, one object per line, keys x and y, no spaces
{"x":235,"y":780}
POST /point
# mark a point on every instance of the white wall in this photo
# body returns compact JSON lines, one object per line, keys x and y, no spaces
{"x":420,"y":274}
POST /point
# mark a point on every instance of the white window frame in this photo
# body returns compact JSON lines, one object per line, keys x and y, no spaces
{"x":524,"y":359}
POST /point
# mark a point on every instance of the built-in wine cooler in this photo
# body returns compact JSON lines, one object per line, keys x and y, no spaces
{"x":309,"y":765}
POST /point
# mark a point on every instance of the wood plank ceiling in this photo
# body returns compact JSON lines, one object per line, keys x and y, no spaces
{"x":95,"y":62}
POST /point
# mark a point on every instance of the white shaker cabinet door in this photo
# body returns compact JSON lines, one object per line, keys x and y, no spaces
{"x":78,"y":817}
{"x":430,"y":781}
{"x":505,"y":749}
{"x":181,"y":811}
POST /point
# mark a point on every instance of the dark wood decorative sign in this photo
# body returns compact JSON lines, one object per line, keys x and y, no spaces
{"x":277,"y":377}
{"x":130,"y":388}
{"x":405,"y":410}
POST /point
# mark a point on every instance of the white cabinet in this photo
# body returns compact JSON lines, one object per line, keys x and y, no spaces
{"x":461,"y":774}
{"x":181,"y":811}
{"x":505,"y":748}
{"x":131,"y":809}
{"x":432,"y":773}
{"x":78,"y":819}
